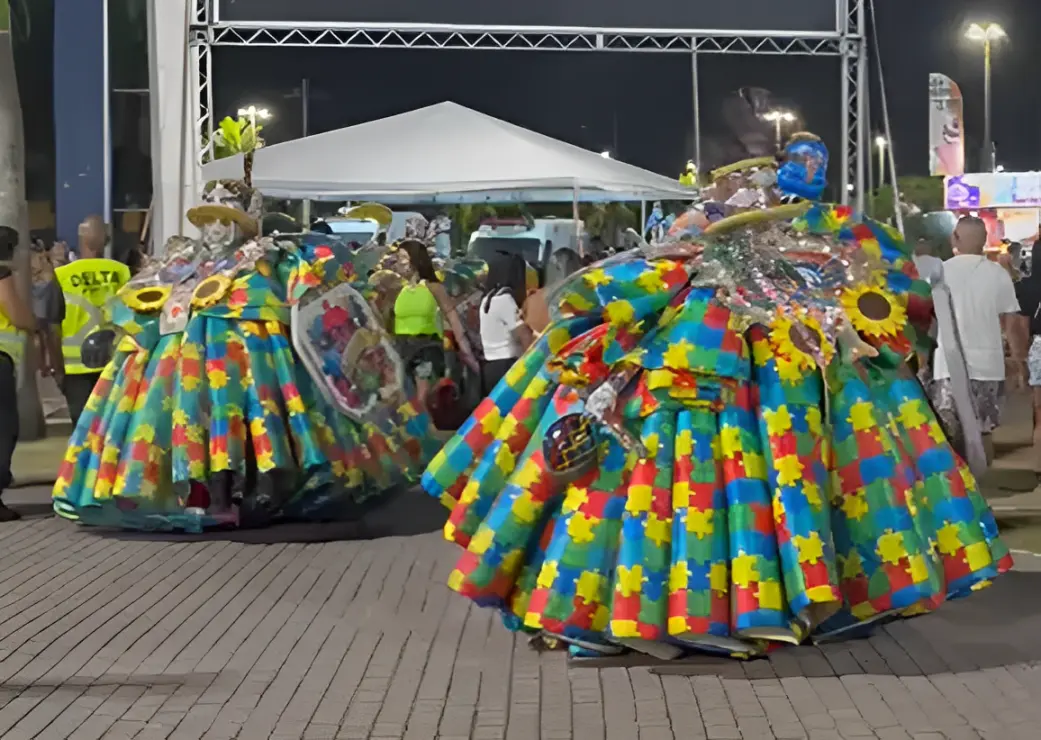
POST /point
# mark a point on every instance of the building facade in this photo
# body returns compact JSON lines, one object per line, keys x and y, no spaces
{"x":102,"y":117}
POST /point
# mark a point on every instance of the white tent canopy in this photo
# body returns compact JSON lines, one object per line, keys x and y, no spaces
{"x":443,"y":153}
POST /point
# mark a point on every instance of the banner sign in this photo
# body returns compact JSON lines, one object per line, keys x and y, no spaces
{"x":748,"y":16}
{"x":993,"y":190}
{"x":946,"y":127}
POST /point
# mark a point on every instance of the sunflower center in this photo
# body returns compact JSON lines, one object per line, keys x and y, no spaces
{"x":874,"y":306}
{"x":150,"y":295}
{"x":207,"y":289}
{"x":804,"y":339}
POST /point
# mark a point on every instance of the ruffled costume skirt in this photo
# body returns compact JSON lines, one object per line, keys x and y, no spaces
{"x":226,"y":404}
{"x":764,"y":506}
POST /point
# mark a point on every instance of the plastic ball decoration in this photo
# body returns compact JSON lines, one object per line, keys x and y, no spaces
{"x":570,"y":448}
{"x":804,"y":169}
{"x":97,"y":349}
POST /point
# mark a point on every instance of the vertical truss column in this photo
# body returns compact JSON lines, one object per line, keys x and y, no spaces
{"x":202,"y":95}
{"x":199,"y":37}
{"x":855,"y":103}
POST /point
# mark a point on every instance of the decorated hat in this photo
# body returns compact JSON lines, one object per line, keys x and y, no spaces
{"x":279,"y":223}
{"x":376,"y":211}
{"x":229,"y":201}
{"x":363,"y":339}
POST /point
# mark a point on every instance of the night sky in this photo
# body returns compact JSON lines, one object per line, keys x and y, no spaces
{"x":579,"y":97}
{"x":636,"y":104}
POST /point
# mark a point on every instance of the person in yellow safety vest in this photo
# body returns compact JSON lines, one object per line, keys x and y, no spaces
{"x":689,"y":177}
{"x":17,"y":322}
{"x":88,"y":284}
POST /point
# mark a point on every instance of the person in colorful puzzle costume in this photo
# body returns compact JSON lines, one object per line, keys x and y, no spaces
{"x":718,"y":445}
{"x":213,"y":412}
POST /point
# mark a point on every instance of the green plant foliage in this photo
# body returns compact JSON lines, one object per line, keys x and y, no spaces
{"x":235,"y":136}
{"x":923,"y":193}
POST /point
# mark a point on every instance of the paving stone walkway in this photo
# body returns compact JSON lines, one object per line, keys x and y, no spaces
{"x":130,"y":637}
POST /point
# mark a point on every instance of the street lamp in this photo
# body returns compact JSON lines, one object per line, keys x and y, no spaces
{"x":881,"y":143}
{"x":253,"y":113}
{"x":778,"y":118}
{"x":986,"y":34}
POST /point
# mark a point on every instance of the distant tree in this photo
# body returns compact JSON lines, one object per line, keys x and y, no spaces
{"x":14,"y":212}
{"x":465,"y":220}
{"x":608,"y":221}
{"x":924,"y":194}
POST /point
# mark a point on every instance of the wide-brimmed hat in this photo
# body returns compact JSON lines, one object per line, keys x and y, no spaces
{"x":376,"y":211}
{"x":247,"y":218}
{"x":211,"y":212}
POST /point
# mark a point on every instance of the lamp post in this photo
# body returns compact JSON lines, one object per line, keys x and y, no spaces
{"x":253,"y":113}
{"x":987,"y":34}
{"x":778,"y":118}
{"x":881,"y":144}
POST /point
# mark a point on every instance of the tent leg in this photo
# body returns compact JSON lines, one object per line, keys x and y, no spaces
{"x":643,"y":217}
{"x":696,"y":105}
{"x":578,"y":226}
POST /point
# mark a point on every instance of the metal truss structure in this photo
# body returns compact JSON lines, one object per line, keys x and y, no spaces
{"x":848,"y":43}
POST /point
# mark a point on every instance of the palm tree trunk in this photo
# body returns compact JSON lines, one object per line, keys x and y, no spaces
{"x":14,"y":212}
{"x":247,"y":165}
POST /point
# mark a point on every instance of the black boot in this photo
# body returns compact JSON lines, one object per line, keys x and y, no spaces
{"x":8,"y":515}
{"x":222,"y":506}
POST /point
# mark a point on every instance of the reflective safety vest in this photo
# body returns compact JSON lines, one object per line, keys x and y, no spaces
{"x":12,"y":343}
{"x":88,"y":285}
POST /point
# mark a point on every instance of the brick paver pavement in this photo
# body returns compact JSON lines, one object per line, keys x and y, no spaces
{"x":110,"y":637}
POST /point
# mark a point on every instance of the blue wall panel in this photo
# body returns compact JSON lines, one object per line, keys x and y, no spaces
{"x":79,"y":112}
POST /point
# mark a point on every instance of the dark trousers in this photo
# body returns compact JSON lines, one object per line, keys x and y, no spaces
{"x":77,"y":390}
{"x":492,"y":371}
{"x":8,"y":418}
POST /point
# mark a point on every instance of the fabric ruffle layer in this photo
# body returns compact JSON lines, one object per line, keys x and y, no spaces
{"x":770,"y":507}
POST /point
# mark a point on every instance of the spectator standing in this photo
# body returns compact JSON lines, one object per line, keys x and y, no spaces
{"x":984,"y":301}
{"x":1028,"y":293}
{"x":16,"y":324}
{"x":925,"y":258}
{"x":504,"y":335}
{"x":49,"y":309}
{"x":88,"y":284}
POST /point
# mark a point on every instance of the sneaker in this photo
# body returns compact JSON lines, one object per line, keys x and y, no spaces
{"x":8,"y":515}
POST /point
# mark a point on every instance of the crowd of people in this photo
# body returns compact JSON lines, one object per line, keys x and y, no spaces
{"x":69,"y":295}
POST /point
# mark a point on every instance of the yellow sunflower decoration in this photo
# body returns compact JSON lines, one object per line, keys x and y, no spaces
{"x":800,"y":345}
{"x":210,"y":291}
{"x":147,"y":300}
{"x":874,"y":311}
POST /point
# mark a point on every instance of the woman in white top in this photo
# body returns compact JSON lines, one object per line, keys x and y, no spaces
{"x":504,"y":335}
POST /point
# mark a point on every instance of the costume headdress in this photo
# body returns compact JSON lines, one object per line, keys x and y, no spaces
{"x":229,"y":201}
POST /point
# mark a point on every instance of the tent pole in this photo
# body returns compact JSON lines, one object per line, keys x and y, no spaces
{"x":305,"y":99}
{"x":643,"y":217}
{"x":696,"y":107}
{"x":578,"y":224}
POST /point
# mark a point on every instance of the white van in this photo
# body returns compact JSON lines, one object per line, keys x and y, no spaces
{"x":364,"y":230}
{"x":357,"y":230}
{"x":553,"y":246}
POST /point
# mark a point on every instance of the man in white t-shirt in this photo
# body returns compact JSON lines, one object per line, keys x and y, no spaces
{"x":984,"y":300}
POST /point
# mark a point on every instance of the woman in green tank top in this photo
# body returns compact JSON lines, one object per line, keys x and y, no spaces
{"x":419,"y":316}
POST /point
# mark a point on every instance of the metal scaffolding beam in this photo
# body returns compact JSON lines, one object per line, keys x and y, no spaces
{"x":847,"y":44}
